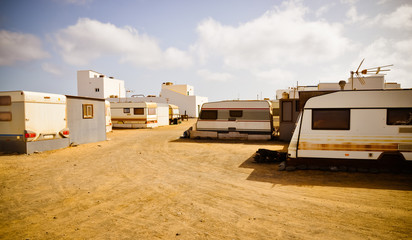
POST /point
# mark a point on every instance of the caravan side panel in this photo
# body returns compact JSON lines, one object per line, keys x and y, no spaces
{"x":162,"y":114}
{"x":38,"y":121}
{"x":376,"y":123}
{"x":108,"y":114}
{"x":134,"y":115}
{"x":12,"y":122}
{"x":240,"y":116}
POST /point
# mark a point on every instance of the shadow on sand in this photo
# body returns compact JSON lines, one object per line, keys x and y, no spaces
{"x":269,"y":173}
{"x":263,"y":143}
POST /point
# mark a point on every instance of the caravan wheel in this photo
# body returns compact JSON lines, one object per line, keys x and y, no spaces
{"x":391,"y":160}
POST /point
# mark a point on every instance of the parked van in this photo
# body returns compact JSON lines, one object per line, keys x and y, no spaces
{"x":367,"y":125}
{"x":32,"y":121}
{"x":139,"y":114}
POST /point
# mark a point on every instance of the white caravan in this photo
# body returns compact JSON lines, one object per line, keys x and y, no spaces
{"x":359,"y":125}
{"x":108,"y":115}
{"x":174,"y":115}
{"x":139,"y":114}
{"x":241,"y":116}
{"x":32,"y":121}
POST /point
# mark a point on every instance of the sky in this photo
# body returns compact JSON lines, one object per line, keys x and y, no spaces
{"x":226,"y":49}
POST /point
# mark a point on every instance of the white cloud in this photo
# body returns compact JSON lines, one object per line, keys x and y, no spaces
{"x":279,"y":37}
{"x":399,"y":19}
{"x":90,"y":39}
{"x":323,"y":9}
{"x":275,"y":74}
{"x":214,"y":76}
{"x":19,"y":47}
{"x":381,"y":2}
{"x":353,"y":16}
{"x":51,"y":68}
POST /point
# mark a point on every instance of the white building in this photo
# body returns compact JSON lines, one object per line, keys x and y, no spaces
{"x":373,"y":82}
{"x":183,"y":96}
{"x":97,"y":85}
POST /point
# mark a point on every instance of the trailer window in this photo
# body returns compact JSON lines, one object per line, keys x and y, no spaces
{"x":87,"y":111}
{"x":208,"y":114}
{"x":151,"y":111}
{"x":235,"y":113}
{"x":126,"y":110}
{"x":138,"y":111}
{"x":330,"y":119}
{"x":287,"y":111}
{"x":5,"y":100}
{"x":5,"y":116}
{"x":399,"y":116}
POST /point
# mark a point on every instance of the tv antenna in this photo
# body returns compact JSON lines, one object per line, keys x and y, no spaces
{"x":358,"y":76}
{"x":373,"y":70}
{"x":376,"y":70}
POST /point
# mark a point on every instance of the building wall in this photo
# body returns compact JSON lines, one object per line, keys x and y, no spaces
{"x":183,"y":89}
{"x":114,"y":87}
{"x":97,"y":85}
{"x":139,"y":99}
{"x":88,"y":82}
{"x":86,"y":130}
{"x":189,"y":104}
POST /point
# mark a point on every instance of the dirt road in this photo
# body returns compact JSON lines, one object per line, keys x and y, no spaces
{"x":149,"y":184}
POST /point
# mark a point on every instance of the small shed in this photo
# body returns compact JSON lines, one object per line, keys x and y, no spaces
{"x":86,"y":119}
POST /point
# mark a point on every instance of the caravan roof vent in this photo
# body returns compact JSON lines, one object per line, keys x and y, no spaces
{"x":342,"y":84}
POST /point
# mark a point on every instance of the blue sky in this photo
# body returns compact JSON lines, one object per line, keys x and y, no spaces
{"x":225,"y":49}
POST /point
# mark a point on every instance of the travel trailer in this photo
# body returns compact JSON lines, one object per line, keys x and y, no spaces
{"x":86,"y":119}
{"x":355,"y":125}
{"x":108,"y":115}
{"x":249,"y":119}
{"x":174,"y":115}
{"x":32,"y":122}
{"x":139,"y":114}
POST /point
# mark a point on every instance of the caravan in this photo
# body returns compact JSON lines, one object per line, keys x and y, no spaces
{"x":174,"y":115}
{"x":139,"y":114}
{"x":32,"y":121}
{"x":108,"y":114}
{"x":355,"y":125}
{"x":243,"y":117}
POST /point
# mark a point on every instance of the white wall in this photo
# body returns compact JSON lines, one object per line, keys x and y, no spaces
{"x":189,"y":104}
{"x":114,"y":87}
{"x":183,"y":89}
{"x":87,"y":84}
{"x":88,"y":81}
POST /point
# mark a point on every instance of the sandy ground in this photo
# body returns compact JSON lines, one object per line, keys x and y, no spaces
{"x":149,"y":184}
